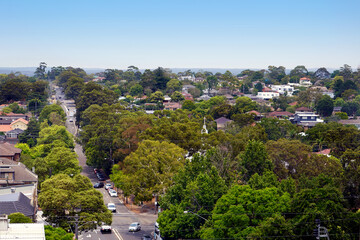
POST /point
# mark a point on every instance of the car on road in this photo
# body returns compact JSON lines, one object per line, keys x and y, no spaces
{"x":105,"y":229}
{"x":134,"y":227}
{"x":98,"y":185}
{"x":108,"y":186}
{"x":111,"y":207}
{"x":100,"y":176}
{"x":146,"y":237}
{"x":112,"y":193}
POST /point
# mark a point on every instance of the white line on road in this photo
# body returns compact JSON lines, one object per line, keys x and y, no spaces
{"x":118,"y":234}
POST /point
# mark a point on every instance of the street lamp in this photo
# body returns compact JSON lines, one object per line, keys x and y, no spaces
{"x":186,"y":212}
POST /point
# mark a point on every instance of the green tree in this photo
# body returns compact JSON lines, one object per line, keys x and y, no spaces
{"x":61,"y":194}
{"x":188,"y":105}
{"x":63,"y":160}
{"x":161,"y":78}
{"x":92,"y":93}
{"x":48,"y":109}
{"x":40,"y":72}
{"x":177,"y":97}
{"x":254,"y":159}
{"x":31,"y":134}
{"x":157,"y":96}
{"x":244,"y":104}
{"x":74,"y":85}
{"x":19,"y":218}
{"x":259,"y":87}
{"x":326,"y":204}
{"x":240,"y":213}
{"x":276,"y":129}
{"x":50,"y":134}
{"x":212,"y":82}
{"x":173,"y":85}
{"x":52,"y":233}
{"x":149,"y":170}
{"x":325,"y":106}
{"x":136,"y":90}
{"x":196,"y":189}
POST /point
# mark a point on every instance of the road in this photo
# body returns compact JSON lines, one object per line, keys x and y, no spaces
{"x":123,"y":216}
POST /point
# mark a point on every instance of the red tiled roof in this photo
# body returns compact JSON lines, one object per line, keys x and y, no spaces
{"x":324,"y":152}
{"x":279,"y":114}
{"x":5,"y":128}
{"x":254,"y":112}
{"x":303,"y":109}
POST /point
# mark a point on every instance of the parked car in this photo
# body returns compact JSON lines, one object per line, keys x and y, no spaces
{"x":105,"y":229}
{"x":98,"y":185}
{"x":100,"y":176}
{"x":134,"y":227}
{"x":111,"y":207}
{"x":96,"y":170}
{"x":146,"y":237}
{"x":112,"y":193}
{"x":108,"y":186}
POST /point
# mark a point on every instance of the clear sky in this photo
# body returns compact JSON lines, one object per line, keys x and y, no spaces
{"x":180,"y":33}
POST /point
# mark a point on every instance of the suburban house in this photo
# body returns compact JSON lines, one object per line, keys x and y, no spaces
{"x":222,"y":122}
{"x":15,"y":173}
{"x":283,"y":89}
{"x":167,"y":99}
{"x":187,"y":96}
{"x":11,"y":136}
{"x":17,"y":202}
{"x":19,"y":231}
{"x":355,"y":122}
{"x":307,"y":119}
{"x":8,"y":151}
{"x":281,"y":114}
{"x":186,"y":88}
{"x":336,"y":110}
{"x":305,"y":81}
{"x":190,"y":78}
{"x":267,"y":94}
{"x":14,"y":116}
{"x":257,"y":116}
{"x":172,"y":106}
{"x":29,"y":190}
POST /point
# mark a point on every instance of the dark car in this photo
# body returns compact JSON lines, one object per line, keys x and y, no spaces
{"x":146,"y":237}
{"x":100,"y":176}
{"x":99,"y":185}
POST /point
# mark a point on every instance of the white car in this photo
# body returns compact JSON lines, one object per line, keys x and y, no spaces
{"x":134,"y":227}
{"x":107,"y":186}
{"x":111,"y":207}
{"x":112,"y":193}
{"x":105,"y":229}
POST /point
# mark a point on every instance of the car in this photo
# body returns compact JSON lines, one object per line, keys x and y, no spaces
{"x":146,"y":237}
{"x":100,"y":176}
{"x":112,"y":193}
{"x":71,"y":120}
{"x":111,"y":207}
{"x":134,"y":227}
{"x":98,"y":185}
{"x":96,"y":170}
{"x":105,"y":229}
{"x":108,"y":186}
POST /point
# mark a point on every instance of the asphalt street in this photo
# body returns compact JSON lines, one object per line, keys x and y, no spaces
{"x":123,"y":216}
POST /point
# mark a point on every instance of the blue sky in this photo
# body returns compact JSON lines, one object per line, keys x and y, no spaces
{"x":180,"y":33}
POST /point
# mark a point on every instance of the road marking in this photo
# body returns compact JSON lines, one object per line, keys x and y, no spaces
{"x":118,"y":234}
